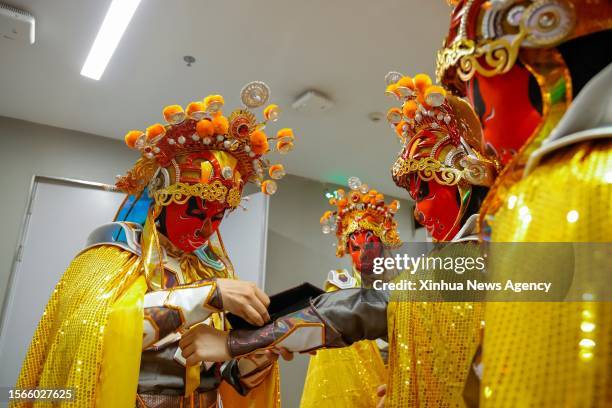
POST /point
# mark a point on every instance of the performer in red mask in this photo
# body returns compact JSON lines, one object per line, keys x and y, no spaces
{"x":112,"y":328}
{"x":365,"y":229}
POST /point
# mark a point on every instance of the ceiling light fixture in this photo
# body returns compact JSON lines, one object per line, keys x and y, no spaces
{"x":117,"y":18}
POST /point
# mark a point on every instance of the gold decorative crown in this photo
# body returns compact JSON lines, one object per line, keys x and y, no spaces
{"x":440,"y":134}
{"x":361,"y":208}
{"x":202,"y":153}
{"x":486,"y":36}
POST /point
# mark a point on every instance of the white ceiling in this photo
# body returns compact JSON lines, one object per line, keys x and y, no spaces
{"x":342,"y":48}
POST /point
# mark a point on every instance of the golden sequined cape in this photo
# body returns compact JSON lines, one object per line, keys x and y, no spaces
{"x":344,"y":377}
{"x":553,"y":354}
{"x":89,"y":338}
{"x":432,"y":344}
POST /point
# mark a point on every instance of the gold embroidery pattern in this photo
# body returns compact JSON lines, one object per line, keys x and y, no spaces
{"x":499,"y":56}
{"x":428,"y":169}
{"x":543,"y":24}
{"x":234,"y":197}
{"x":138,"y":177}
{"x":179,"y":193}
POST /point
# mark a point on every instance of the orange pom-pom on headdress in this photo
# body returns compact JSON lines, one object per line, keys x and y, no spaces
{"x":196,"y":110}
{"x":406,"y":82}
{"x":392,"y":90}
{"x":131,"y":138}
{"x":405,"y":86}
{"x":325,"y":217}
{"x":271,"y":112}
{"x":284,"y":147}
{"x":213,"y":103}
{"x":259,"y":142}
{"x":422,"y":82}
{"x":410,"y":109}
{"x":220,"y":124}
{"x":285,"y":134}
{"x":285,"y":140}
{"x":174,"y":114}
{"x":434,"y":95}
{"x":155,"y":131}
{"x":400,"y":128}
{"x":422,"y":105}
{"x":269,"y":187}
{"x":277,"y":171}
{"x":205,"y":128}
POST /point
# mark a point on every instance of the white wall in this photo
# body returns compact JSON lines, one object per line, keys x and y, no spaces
{"x":26,"y":149}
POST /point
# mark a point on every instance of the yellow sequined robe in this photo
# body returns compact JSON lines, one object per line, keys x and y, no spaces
{"x":557,"y":354}
{"x":348,"y":376}
{"x":432,"y":344}
{"x":90,"y":336}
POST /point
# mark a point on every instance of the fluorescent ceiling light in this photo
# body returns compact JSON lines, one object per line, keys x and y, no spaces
{"x":116,"y":21}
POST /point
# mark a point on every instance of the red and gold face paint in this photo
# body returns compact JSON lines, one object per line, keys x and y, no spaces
{"x":437,"y":207}
{"x":509,"y":107}
{"x":364,"y":246}
{"x":188,"y":226}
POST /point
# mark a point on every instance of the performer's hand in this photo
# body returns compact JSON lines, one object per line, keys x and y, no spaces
{"x":381,"y":391}
{"x":244,"y":299}
{"x":279,"y":351}
{"x":203,"y":343}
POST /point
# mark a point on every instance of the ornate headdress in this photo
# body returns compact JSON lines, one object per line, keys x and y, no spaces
{"x":200,"y":152}
{"x":441,"y":138}
{"x":486,"y":36}
{"x":440,"y":134}
{"x":361,"y":208}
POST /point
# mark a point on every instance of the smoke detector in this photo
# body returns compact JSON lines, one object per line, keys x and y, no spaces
{"x":312,"y":102}
{"x":16,"y":25}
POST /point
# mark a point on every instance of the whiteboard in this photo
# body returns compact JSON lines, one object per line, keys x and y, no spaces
{"x":60,"y":217}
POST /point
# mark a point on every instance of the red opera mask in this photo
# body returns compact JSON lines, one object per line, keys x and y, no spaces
{"x":437,"y":207}
{"x":509,"y":107}
{"x":363,"y":247}
{"x":188,"y":226}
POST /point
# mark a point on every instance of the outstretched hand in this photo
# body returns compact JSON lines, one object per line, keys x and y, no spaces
{"x":203,"y":343}
{"x":244,"y":299}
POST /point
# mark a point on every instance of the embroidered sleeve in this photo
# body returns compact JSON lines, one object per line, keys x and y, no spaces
{"x":334,"y":319}
{"x":166,"y":312}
